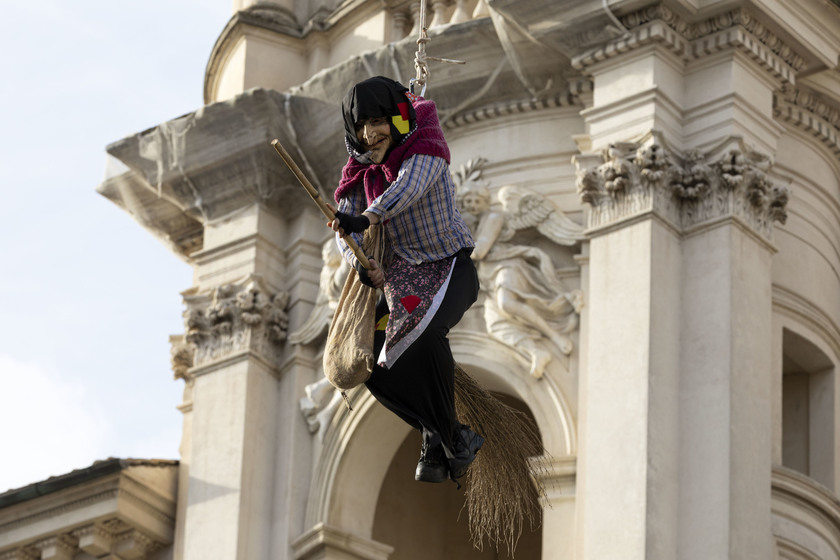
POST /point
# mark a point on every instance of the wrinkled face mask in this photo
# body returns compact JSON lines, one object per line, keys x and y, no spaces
{"x":368,"y":108}
{"x":375,"y":137}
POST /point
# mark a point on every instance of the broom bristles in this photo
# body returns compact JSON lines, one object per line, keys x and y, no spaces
{"x":502,"y":492}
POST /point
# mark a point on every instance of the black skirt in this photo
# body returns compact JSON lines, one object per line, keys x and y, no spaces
{"x":420,"y":386}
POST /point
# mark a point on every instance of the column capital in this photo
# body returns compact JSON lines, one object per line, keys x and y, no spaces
{"x":633,"y":179}
{"x":244,"y":316}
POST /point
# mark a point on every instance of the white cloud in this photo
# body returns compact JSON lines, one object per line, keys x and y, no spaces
{"x":48,"y":425}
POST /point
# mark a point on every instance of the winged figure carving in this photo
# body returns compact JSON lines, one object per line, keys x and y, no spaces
{"x":526,"y":304}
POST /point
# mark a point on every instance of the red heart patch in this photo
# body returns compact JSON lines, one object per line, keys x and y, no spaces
{"x":410,"y":303}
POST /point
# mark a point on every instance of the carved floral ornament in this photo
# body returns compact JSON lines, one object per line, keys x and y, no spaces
{"x":688,"y":190}
{"x":242,"y":316}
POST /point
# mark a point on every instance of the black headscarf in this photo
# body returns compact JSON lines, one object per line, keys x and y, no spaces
{"x":377,"y":97}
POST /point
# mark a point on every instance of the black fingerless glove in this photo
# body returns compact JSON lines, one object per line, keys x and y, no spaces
{"x":352,"y":224}
{"x":364,"y":278}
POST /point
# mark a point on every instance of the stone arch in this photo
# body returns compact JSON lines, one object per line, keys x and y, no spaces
{"x":503,"y":369}
{"x":357,"y":449}
{"x":358,"y":445}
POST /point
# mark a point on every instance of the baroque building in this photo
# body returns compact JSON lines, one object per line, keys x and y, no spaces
{"x":654,"y":187}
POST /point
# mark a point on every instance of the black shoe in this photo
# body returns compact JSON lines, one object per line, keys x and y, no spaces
{"x":466,"y":443}
{"x":432,"y":465}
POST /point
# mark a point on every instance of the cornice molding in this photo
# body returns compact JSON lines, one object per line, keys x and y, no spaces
{"x":570,"y":98}
{"x":218,"y":160}
{"x":92,"y":517}
{"x":736,"y":28}
{"x":84,"y":501}
{"x":811,"y":112}
{"x":636,"y":178}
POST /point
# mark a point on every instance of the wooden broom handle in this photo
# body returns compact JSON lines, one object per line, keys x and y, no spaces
{"x":316,"y":196}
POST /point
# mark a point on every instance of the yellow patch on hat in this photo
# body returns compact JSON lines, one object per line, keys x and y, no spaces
{"x":400,"y":123}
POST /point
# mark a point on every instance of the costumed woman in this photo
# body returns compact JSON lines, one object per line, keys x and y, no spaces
{"x":398,"y":175}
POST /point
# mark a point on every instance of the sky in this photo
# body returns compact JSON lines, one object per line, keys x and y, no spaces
{"x":88,"y":298}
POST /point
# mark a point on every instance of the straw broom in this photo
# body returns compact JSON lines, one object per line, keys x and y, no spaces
{"x":501,"y":492}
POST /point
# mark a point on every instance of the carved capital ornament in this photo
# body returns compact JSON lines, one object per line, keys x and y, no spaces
{"x":246,"y":316}
{"x":631,"y":179}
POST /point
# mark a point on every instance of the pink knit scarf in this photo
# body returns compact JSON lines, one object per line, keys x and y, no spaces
{"x":427,"y":140}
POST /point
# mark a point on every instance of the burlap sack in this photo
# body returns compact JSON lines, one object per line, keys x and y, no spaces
{"x":348,"y":355}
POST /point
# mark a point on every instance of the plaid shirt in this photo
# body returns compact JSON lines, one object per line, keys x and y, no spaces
{"x":423,"y":222}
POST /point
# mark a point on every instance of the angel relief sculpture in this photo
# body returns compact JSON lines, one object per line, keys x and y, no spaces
{"x":526,"y":303}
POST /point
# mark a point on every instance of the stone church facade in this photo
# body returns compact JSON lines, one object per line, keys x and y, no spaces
{"x":655,"y":193}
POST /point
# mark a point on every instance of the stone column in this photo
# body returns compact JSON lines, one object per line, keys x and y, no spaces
{"x":675,"y":399}
{"x":629,"y":493}
{"x":677,"y":388}
{"x":248,"y":444}
{"x":236,"y":321}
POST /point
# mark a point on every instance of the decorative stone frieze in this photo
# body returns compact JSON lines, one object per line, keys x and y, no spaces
{"x":23,"y":553}
{"x":100,"y":540}
{"x":247,"y":316}
{"x":633,"y":179}
{"x":736,"y":28}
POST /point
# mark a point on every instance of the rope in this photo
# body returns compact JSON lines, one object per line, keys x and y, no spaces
{"x":421,"y":59}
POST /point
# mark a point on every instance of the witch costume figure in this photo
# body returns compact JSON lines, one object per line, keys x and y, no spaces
{"x":398,"y":175}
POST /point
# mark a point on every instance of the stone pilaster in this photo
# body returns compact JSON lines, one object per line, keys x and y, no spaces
{"x":677,"y":384}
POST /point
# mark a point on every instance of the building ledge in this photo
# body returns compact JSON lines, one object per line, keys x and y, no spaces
{"x":124,"y":506}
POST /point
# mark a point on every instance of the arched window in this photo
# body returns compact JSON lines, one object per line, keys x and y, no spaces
{"x":808,"y":409}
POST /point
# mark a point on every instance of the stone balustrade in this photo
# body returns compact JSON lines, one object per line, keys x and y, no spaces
{"x":441,"y":12}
